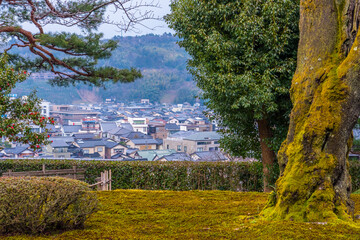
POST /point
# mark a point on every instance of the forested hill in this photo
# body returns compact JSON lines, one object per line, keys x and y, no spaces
{"x":162,"y":63}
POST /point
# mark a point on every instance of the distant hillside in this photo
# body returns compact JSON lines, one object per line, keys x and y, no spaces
{"x":161,"y":61}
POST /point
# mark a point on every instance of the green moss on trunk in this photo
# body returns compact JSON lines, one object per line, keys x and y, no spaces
{"x":315,"y":184}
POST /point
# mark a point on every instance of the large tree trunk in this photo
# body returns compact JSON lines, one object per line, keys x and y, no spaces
{"x":267,"y":154}
{"x":315,"y":184}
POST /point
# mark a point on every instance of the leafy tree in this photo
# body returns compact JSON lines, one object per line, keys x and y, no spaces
{"x":243,"y":57}
{"x":17,"y":115}
{"x":71,"y":57}
{"x":315,"y":183}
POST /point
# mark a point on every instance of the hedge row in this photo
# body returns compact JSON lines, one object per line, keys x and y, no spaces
{"x":157,"y":175}
{"x":168,"y":175}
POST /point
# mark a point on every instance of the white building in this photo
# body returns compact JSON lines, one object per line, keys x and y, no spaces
{"x":45,"y":108}
{"x":139,"y":124}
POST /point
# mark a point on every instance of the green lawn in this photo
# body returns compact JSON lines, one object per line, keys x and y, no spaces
{"x":137,"y":214}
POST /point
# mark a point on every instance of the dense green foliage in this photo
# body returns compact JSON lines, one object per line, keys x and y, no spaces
{"x":169,"y":175}
{"x":243,"y":58}
{"x":158,"y":175}
{"x":17,"y":115}
{"x":137,"y":214}
{"x":36,"y":205}
{"x":161,"y":61}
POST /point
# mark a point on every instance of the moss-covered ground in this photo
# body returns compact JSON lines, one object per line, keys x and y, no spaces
{"x":137,"y":214}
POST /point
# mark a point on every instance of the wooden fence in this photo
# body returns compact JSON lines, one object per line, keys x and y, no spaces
{"x":103,"y":182}
{"x":74,"y":173}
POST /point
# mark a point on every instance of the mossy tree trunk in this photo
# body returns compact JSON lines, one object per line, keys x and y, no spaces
{"x":315,"y":184}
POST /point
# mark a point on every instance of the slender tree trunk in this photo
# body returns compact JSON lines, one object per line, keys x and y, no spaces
{"x":315,"y":184}
{"x":268,"y":155}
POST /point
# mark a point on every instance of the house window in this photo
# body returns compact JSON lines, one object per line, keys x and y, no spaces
{"x":185,"y":148}
{"x":199,"y":149}
{"x":203,"y":143}
{"x":99,"y":149}
{"x":138,"y":122}
{"x":179,"y":147}
{"x":86,"y":151}
{"x":118,"y":150}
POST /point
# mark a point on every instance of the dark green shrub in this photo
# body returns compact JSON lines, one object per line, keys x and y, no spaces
{"x":42,"y":204}
{"x":233,"y":176}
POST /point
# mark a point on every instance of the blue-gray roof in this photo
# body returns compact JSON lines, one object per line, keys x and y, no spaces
{"x":71,"y":128}
{"x":172,"y":126}
{"x":17,"y":149}
{"x":203,"y":136}
{"x":210,"y":156}
{"x":90,"y":143}
{"x":144,"y":141}
{"x":107,"y":126}
{"x":84,"y":135}
{"x":179,"y":156}
{"x":151,"y":154}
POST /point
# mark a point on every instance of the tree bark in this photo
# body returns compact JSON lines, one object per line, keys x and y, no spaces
{"x":267,"y":154}
{"x":315,"y":184}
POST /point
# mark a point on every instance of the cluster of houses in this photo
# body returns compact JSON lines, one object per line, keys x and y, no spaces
{"x":120,"y":132}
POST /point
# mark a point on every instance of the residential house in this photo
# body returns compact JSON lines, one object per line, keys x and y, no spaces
{"x":153,"y":155}
{"x":139,"y":124}
{"x":58,"y":148}
{"x":171,"y":128}
{"x":208,"y":156}
{"x":178,"y":156}
{"x":70,"y":130}
{"x":114,"y":148}
{"x":18,"y":152}
{"x":157,"y":130}
{"x":92,"y":147}
{"x":142,"y":143}
{"x":191,"y":142}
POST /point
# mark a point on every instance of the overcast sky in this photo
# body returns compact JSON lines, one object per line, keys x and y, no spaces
{"x":154,"y":26}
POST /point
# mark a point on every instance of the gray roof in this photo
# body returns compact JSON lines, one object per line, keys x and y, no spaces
{"x":89,"y":143}
{"x":179,"y":156}
{"x":172,"y":126}
{"x":210,"y":156}
{"x":127,"y":126}
{"x":66,"y":139}
{"x":60,"y":143}
{"x":181,"y":134}
{"x":144,"y":141}
{"x":71,"y":128}
{"x":84,"y":135}
{"x":119,"y":131}
{"x":107,"y":126}
{"x":203,"y":136}
{"x":136,"y":135}
{"x":17,"y":149}
{"x":151,"y":154}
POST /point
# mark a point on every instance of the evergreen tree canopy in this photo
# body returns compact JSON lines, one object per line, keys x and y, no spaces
{"x":72,"y":57}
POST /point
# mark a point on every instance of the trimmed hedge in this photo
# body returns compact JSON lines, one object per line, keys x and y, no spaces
{"x":42,"y":204}
{"x":157,"y":175}
{"x":232,"y":176}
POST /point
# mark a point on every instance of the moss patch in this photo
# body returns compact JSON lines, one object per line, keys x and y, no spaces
{"x":137,"y":214}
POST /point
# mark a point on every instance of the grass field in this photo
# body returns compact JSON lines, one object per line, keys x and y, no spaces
{"x":137,"y":214}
